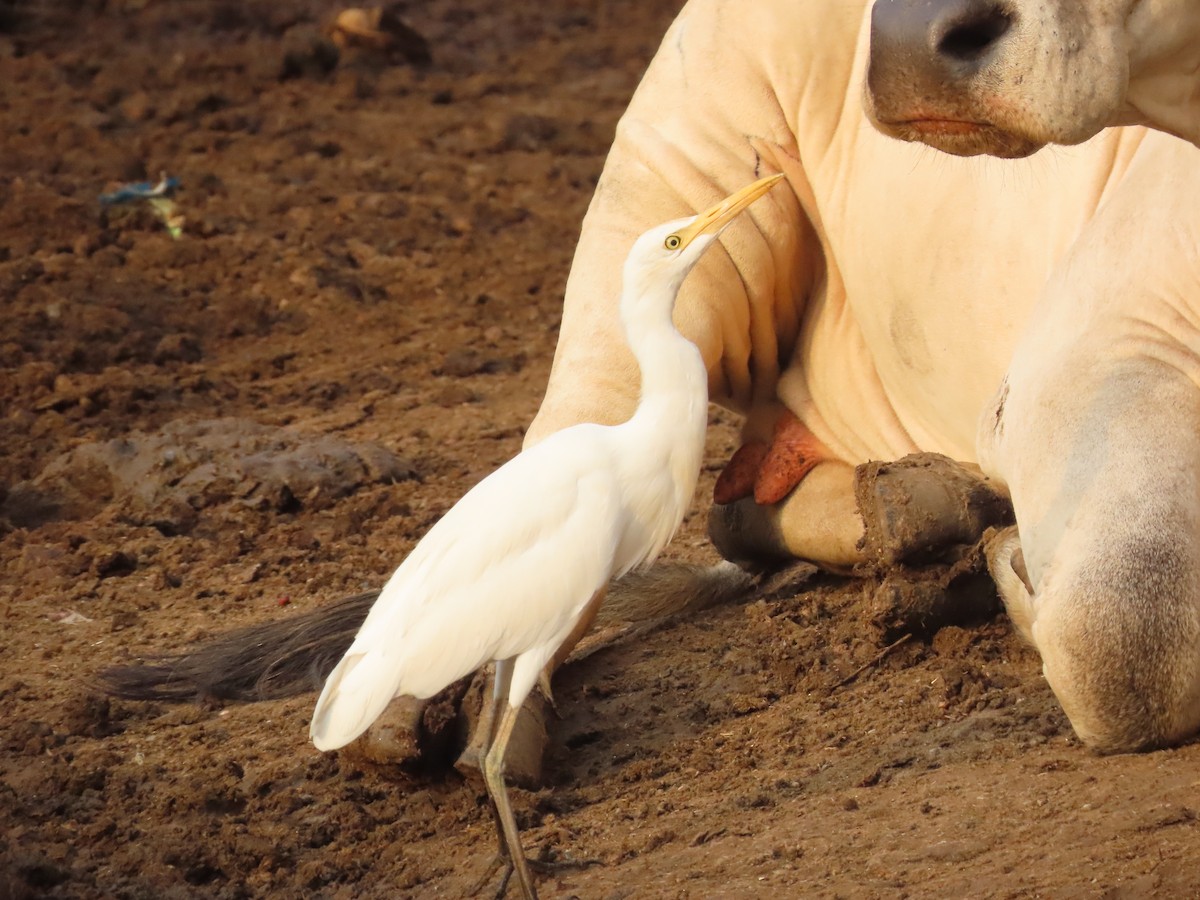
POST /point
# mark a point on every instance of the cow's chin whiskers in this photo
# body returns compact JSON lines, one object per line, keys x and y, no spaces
{"x":964,"y":138}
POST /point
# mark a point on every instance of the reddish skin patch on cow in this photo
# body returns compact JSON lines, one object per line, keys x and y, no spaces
{"x":770,"y":473}
{"x":794,"y":452}
{"x":737,"y":478}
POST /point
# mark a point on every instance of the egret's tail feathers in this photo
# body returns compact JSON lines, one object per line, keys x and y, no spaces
{"x":260,"y":662}
{"x":356,"y":694}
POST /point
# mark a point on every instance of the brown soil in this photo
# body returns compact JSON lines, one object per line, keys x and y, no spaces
{"x":268,"y":412}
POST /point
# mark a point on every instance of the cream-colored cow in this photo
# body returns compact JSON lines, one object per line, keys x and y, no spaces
{"x":1039,"y":316}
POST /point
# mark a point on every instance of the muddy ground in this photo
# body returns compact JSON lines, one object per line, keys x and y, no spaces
{"x":265,"y":414}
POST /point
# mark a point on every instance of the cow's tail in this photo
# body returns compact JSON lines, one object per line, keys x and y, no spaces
{"x":295,"y":655}
{"x":258,"y":662}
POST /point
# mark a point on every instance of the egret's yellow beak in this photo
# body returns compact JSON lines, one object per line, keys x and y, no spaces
{"x":717,"y":217}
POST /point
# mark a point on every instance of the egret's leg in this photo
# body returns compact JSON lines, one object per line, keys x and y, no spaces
{"x":489,"y":721}
{"x":493,"y":774}
{"x":489,"y":716}
{"x":498,"y":715}
{"x":528,"y":741}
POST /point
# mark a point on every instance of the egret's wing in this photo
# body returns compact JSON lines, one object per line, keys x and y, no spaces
{"x":508,"y":569}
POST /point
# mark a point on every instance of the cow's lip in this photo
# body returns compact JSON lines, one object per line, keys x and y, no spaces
{"x":935,"y":125}
{"x":961,"y":137}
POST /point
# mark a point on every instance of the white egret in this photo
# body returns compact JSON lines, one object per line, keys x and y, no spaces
{"x":512,"y":570}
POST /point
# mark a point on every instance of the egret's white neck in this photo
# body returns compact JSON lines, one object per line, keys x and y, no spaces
{"x":671,"y":367}
{"x":672,"y":413}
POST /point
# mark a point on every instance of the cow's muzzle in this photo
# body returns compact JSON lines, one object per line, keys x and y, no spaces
{"x":928,"y":61}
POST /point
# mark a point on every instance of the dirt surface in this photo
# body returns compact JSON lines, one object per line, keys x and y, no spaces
{"x":266,"y":414}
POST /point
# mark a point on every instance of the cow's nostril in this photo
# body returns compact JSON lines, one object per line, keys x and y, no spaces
{"x":969,"y":40}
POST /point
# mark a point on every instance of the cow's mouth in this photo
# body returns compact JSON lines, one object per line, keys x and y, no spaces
{"x":943,"y":126}
{"x":962,"y":137}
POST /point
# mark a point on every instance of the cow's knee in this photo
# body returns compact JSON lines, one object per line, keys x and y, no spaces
{"x":1120,"y":646}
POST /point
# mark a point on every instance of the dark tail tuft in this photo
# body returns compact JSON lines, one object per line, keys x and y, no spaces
{"x":296,"y":655}
{"x":258,"y":662}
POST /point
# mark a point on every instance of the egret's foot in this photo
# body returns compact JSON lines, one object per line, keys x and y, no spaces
{"x":499,"y":860}
{"x":541,"y":865}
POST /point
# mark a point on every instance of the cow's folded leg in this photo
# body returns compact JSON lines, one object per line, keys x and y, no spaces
{"x":393,"y":738}
{"x":412,"y":730}
{"x":432,"y":732}
{"x":817,"y":521}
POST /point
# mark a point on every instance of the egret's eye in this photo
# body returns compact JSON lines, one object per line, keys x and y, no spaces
{"x":673,"y":242}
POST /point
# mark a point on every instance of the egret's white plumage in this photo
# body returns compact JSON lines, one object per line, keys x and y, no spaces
{"x":507,"y":573}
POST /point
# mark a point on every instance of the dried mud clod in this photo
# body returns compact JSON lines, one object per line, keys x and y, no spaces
{"x":921,"y":601}
{"x":177,"y":476}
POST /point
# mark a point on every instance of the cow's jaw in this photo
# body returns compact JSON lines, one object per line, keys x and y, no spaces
{"x":1164,"y":87}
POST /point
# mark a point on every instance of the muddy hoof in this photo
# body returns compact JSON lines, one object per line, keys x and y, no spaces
{"x":526,"y":747}
{"x":395,"y":737}
{"x":924,"y":508}
{"x":428,"y":732}
{"x":449,"y":729}
{"x":748,"y":534}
